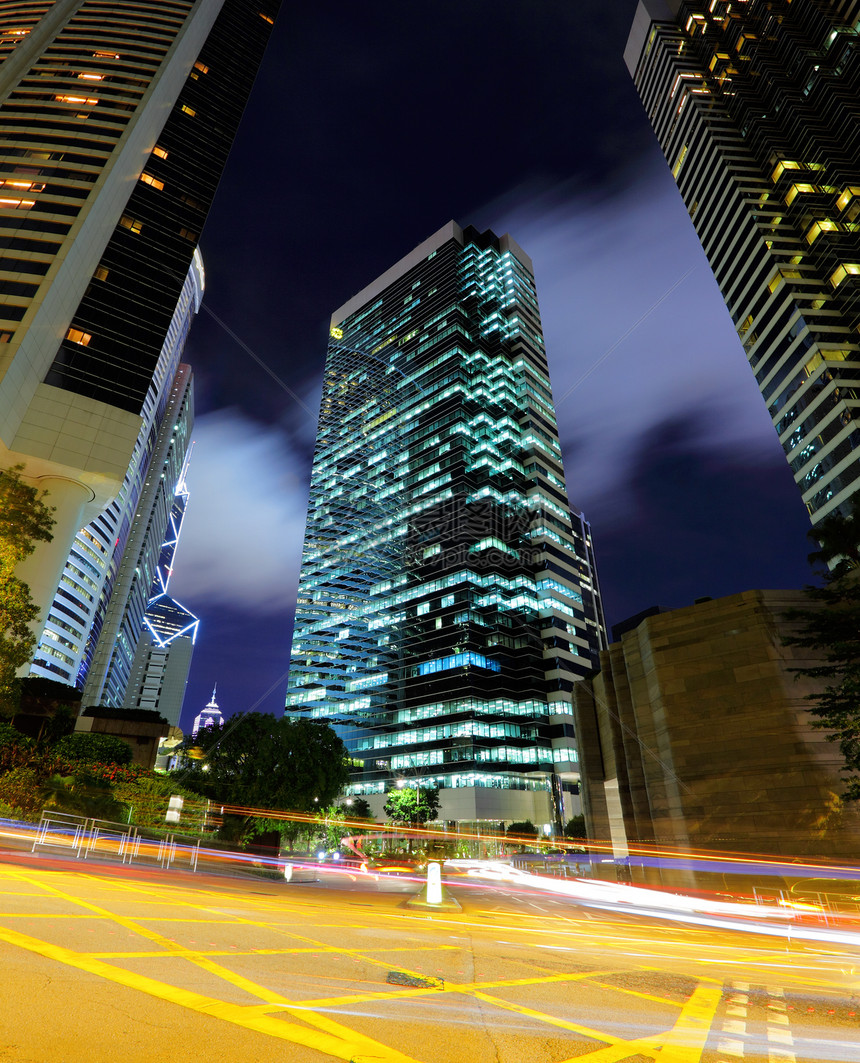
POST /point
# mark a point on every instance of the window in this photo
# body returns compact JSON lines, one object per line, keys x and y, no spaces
{"x":7,"y":203}
{"x":847,"y":269}
{"x":148,"y":179}
{"x":187,"y":234}
{"x":795,"y":190}
{"x":266,"y":18}
{"x":159,"y":151}
{"x":77,"y":336}
{"x":189,"y":110}
{"x":6,"y":337}
{"x":101,"y":273}
{"x":202,"y":67}
{"x":128,"y":222}
{"x":819,"y":227}
{"x":90,"y":101}
{"x":24,"y":186}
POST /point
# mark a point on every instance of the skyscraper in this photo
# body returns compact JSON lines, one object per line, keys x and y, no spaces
{"x":756,"y":106}
{"x":162,"y":656}
{"x":116,"y":119}
{"x":209,"y":716}
{"x":448,"y":599}
{"x":77,"y":614}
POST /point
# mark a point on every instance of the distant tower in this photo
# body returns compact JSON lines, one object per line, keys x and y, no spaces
{"x":209,"y":717}
{"x":162,"y":657}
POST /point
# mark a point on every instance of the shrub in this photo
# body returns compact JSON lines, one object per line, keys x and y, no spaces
{"x":86,"y":747}
{"x":20,"y":789}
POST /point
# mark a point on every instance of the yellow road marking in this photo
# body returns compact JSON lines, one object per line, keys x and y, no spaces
{"x":344,"y":1044}
{"x":186,"y":953}
{"x":224,"y":974}
{"x":641,"y":996}
{"x":684,"y":1043}
{"x":552,"y":1020}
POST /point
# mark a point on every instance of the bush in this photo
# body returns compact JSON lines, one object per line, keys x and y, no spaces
{"x":20,"y":789}
{"x":9,"y":736}
{"x":148,"y":796}
{"x":86,"y":747}
{"x":10,"y":812}
{"x":524,"y":827}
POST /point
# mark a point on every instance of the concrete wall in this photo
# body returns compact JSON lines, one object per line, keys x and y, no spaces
{"x":696,"y":734}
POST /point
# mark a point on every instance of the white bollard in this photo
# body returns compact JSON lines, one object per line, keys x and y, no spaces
{"x":434,"y":883}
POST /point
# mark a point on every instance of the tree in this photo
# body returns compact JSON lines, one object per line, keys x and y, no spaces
{"x":24,"y":521}
{"x":830,"y":628}
{"x":356,"y":808}
{"x":838,"y":538}
{"x":575,"y":827}
{"x":258,"y":761}
{"x":412,"y":807}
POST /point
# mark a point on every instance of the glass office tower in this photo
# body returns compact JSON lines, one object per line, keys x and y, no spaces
{"x":448,"y":598}
{"x":756,"y":106}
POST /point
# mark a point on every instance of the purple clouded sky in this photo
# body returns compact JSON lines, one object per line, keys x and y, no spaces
{"x":668,"y":448}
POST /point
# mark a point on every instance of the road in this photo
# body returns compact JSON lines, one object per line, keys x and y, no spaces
{"x":118,"y":965}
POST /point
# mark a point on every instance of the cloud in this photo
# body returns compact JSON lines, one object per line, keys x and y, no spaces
{"x":242,"y":537}
{"x":636,"y":330}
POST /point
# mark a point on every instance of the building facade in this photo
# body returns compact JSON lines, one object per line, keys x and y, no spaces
{"x":77,"y":614}
{"x":756,"y":108}
{"x":115,"y":124}
{"x":696,"y":734}
{"x":448,"y":598}
{"x":110,"y":669}
{"x":162,"y":657}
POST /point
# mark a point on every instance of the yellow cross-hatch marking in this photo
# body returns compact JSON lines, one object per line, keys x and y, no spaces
{"x":299,"y":1021}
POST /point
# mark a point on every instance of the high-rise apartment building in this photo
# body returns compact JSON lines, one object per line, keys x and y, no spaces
{"x":162,"y":657}
{"x":448,"y":598}
{"x":756,"y":107}
{"x":116,"y":119}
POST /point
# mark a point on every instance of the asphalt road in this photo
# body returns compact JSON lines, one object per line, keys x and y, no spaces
{"x":118,"y":965}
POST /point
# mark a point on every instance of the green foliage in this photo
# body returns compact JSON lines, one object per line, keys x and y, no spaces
{"x":87,"y":746}
{"x":831,"y":629}
{"x":412,"y":806}
{"x":11,"y":812}
{"x":12,"y":738}
{"x":259,"y":761}
{"x":19,"y":788}
{"x":59,"y":725}
{"x":575,"y":827}
{"x":82,"y":795}
{"x":524,"y":828}
{"x":357,"y":808}
{"x":147,"y":796}
{"x":838,"y":538}
{"x":24,"y":521}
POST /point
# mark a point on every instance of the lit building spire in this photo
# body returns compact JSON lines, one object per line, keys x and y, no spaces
{"x":209,"y":717}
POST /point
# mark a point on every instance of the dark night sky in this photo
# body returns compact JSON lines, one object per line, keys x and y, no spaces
{"x":371,"y":125}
